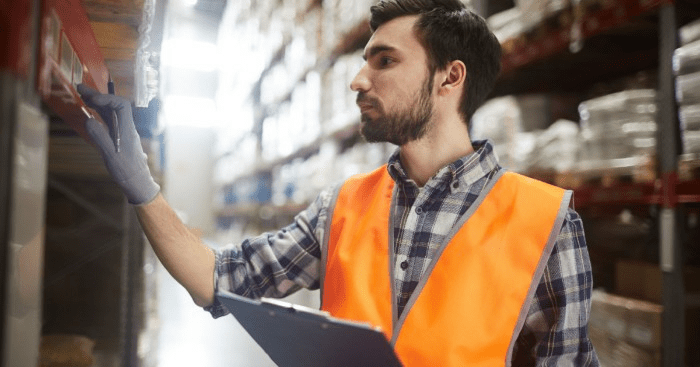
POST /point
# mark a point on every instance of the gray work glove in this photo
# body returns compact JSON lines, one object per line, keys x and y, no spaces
{"x":128,"y":167}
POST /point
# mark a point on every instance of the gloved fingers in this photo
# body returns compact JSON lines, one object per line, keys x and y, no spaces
{"x":90,"y":97}
{"x":109,"y":105}
{"x":105,"y":104}
{"x":100,"y":136}
{"x":126,"y":117}
{"x":86,"y":92}
{"x":98,"y":100}
{"x":106,"y":101}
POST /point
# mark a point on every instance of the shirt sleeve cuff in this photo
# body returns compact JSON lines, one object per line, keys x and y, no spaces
{"x":216,"y":309}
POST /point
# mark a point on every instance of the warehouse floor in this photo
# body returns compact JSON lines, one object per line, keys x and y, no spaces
{"x":189,"y":336}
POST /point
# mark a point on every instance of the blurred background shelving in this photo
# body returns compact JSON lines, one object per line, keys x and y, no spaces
{"x":246,"y":114}
{"x":577,"y":104}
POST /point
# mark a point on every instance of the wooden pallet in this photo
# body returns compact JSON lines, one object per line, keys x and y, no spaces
{"x":638,"y":170}
{"x":689,"y":167}
{"x":609,"y":173}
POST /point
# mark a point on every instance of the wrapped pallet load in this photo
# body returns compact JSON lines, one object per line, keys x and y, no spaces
{"x":523,"y":137}
{"x":618,"y":129}
{"x":686,"y":66}
{"x":500,"y":120}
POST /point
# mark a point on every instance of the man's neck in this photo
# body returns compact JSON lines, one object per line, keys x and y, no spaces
{"x":423,"y":158}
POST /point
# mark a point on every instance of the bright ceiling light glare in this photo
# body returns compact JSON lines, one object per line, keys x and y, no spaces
{"x":190,"y":111}
{"x":189,"y":54}
{"x":189,"y":3}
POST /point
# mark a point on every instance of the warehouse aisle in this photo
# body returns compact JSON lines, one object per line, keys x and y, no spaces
{"x":189,"y":336}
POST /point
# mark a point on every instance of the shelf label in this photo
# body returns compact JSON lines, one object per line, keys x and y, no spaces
{"x":667,"y":235}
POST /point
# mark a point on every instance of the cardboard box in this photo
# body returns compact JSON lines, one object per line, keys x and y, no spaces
{"x":616,"y":353}
{"x":642,"y":280}
{"x":66,"y":351}
{"x":631,"y":321}
{"x":625,"y":332}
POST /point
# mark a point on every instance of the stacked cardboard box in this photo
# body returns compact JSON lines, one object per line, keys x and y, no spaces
{"x":644,"y":281}
{"x":626,"y":327}
{"x":66,"y":351}
{"x":624,"y":331}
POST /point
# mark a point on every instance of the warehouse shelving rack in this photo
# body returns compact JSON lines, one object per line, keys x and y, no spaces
{"x":91,"y":283}
{"x":540,"y":61}
{"x":355,"y":38}
{"x":94,"y":283}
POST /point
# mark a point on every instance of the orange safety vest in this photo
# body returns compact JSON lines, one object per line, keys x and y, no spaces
{"x":471,"y":304}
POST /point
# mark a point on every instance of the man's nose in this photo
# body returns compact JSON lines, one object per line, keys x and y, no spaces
{"x":361,"y":83}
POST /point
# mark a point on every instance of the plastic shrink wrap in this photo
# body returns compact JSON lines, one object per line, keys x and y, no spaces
{"x":686,"y":59}
{"x":499,"y":120}
{"x":618,"y":126}
{"x":686,"y":66}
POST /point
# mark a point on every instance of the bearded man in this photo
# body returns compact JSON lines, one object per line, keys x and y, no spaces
{"x":459,"y":261}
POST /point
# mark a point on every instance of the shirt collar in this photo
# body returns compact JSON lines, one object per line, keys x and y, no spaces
{"x":461,"y":173}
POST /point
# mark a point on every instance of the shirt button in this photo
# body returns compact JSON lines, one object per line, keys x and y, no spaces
{"x":455,"y":185}
{"x":419,"y":210}
{"x":404,"y":264}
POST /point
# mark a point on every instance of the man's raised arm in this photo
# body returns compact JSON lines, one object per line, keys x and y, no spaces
{"x":182,"y":253}
{"x":185,"y":257}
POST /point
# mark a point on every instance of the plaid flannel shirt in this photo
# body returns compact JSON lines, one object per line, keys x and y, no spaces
{"x":555,"y":332}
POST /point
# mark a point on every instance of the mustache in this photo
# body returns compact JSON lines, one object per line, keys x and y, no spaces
{"x":363,"y":98}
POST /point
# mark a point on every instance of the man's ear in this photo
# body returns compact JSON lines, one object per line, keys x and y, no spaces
{"x":454,"y":78}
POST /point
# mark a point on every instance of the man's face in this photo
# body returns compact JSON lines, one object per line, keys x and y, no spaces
{"x":394,"y":86}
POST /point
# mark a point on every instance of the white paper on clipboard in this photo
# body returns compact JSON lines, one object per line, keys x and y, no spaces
{"x":294,"y":335}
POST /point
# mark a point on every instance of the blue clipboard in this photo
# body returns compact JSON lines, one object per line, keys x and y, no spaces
{"x":294,"y":335}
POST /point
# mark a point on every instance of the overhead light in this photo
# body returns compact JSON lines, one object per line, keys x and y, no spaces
{"x":190,"y":111}
{"x":190,"y":3}
{"x":189,"y":54}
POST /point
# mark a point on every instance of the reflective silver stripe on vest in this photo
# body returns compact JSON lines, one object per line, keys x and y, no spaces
{"x":326,"y":237}
{"x":556,"y":228}
{"x":392,"y":257}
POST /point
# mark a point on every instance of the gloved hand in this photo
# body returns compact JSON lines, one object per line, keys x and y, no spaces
{"x":129,"y":166}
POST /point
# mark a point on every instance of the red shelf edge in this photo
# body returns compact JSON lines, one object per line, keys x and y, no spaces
{"x":518,"y":53}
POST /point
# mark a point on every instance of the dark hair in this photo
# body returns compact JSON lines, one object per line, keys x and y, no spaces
{"x":449,"y":31}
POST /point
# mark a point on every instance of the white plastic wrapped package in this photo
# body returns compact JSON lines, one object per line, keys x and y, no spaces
{"x":691,"y":142}
{"x":500,"y":121}
{"x":630,"y":127}
{"x":689,"y":116}
{"x":497,"y":119}
{"x":619,"y":125}
{"x":535,"y":11}
{"x":686,"y":59}
{"x":688,"y":88}
{"x":690,"y":32}
{"x":556,"y":148}
{"x":619,"y":106}
{"x":603,"y":149}
{"x":506,"y":24}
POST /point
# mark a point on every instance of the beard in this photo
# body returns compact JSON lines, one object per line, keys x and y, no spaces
{"x":399,"y":126}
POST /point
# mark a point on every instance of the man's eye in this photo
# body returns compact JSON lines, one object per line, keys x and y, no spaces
{"x":385,"y":61}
